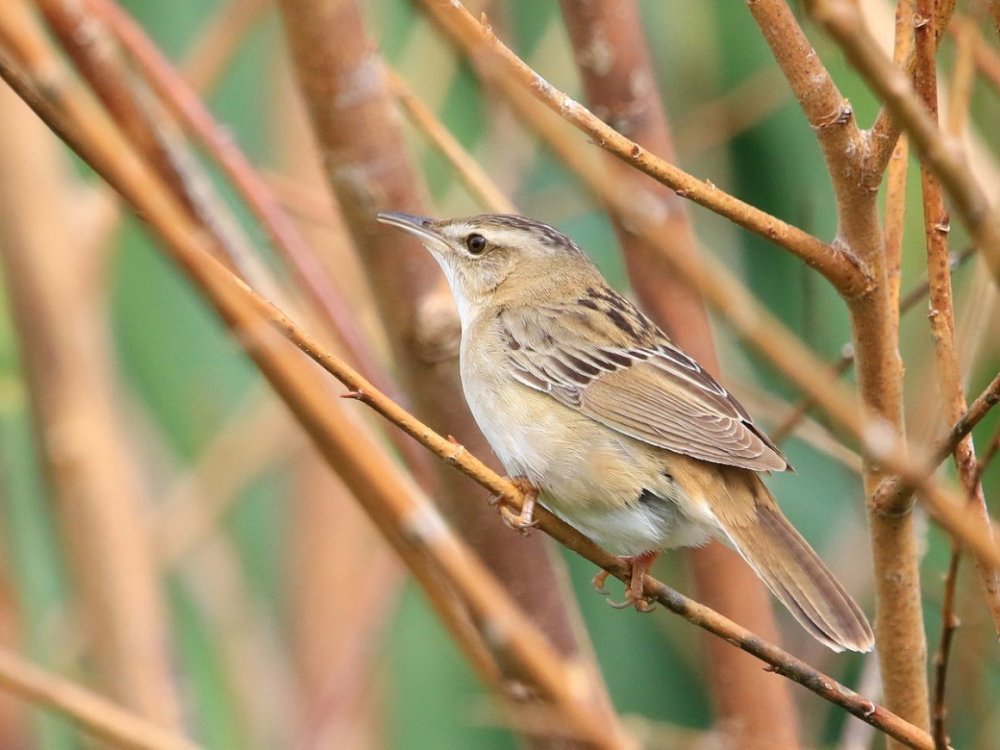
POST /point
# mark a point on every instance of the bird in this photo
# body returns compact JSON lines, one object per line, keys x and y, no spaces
{"x":591,"y":408}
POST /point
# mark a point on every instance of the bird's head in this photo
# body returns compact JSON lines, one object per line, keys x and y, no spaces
{"x":494,"y":258}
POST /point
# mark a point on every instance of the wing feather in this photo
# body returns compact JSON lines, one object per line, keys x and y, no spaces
{"x":647,"y":389}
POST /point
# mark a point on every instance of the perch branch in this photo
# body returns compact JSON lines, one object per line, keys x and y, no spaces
{"x":478,"y":39}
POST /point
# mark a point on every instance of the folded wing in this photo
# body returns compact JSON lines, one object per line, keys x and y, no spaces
{"x":626,"y":374}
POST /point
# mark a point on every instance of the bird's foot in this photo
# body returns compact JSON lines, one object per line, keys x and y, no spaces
{"x":634,"y":593}
{"x":523,"y":518}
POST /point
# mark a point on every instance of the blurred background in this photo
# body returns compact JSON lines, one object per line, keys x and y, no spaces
{"x":288,"y":620}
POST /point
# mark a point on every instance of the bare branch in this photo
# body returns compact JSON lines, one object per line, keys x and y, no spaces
{"x":96,"y":715}
{"x":478,"y":39}
{"x":942,"y":153}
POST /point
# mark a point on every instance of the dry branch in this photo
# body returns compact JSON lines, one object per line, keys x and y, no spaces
{"x":941,"y":153}
{"x":835,"y":265}
{"x":96,"y":495}
{"x":942,"y":314}
{"x":94,"y":714}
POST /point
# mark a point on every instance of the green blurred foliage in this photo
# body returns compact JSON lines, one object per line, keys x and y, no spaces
{"x":186,"y":377}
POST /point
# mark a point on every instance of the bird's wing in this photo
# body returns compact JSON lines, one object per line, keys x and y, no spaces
{"x":622,"y":371}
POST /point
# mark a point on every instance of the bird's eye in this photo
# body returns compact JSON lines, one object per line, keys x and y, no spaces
{"x":475,"y":243}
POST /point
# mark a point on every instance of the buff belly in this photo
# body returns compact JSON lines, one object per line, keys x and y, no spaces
{"x":616,"y":490}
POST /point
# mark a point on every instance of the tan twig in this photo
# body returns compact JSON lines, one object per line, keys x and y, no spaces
{"x":311,"y":277}
{"x":475,"y":179}
{"x":218,"y":41}
{"x":942,"y":314}
{"x":423,"y":527}
{"x":94,"y":714}
{"x":478,"y":40}
{"x":967,"y":43}
{"x":885,"y":131}
{"x":992,"y":449}
{"x":896,"y":173}
{"x":942,"y":153}
{"x":893,"y":491}
{"x":949,"y":623}
{"x":942,"y":324}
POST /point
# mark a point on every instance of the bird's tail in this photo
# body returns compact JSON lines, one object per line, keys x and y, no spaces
{"x":796,"y":576}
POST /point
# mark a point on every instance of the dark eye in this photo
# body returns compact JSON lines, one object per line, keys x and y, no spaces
{"x":476,"y":243}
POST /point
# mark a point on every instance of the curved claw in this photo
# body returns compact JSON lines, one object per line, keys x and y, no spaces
{"x":634,"y":594}
{"x":641,"y":605}
{"x":517,"y":521}
{"x":599,"y":581}
{"x":524,"y":519}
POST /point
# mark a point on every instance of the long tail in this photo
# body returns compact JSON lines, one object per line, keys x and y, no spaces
{"x":796,"y":575}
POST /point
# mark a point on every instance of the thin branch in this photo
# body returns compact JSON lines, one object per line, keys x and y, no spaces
{"x":942,"y":315}
{"x":310,"y":275}
{"x":478,"y":39}
{"x":94,"y":714}
{"x":949,"y":623}
{"x":896,"y":174}
{"x":893,"y":490}
{"x":992,"y":449}
{"x":473,"y":176}
{"x":219,"y":39}
{"x":885,"y":131}
{"x":942,"y":324}
{"x":942,"y":153}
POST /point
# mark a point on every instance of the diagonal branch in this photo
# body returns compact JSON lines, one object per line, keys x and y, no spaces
{"x":478,"y":39}
{"x":96,"y":715}
{"x":942,"y":153}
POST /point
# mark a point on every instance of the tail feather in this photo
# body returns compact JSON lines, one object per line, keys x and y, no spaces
{"x":798,"y":578}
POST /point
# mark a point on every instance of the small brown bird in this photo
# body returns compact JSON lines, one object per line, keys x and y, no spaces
{"x":625,"y":436}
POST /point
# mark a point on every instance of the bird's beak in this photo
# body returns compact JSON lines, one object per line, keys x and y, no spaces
{"x":419,"y":226}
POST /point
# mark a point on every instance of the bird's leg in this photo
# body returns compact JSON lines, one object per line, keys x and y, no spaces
{"x":524,"y":519}
{"x":638,"y":565}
